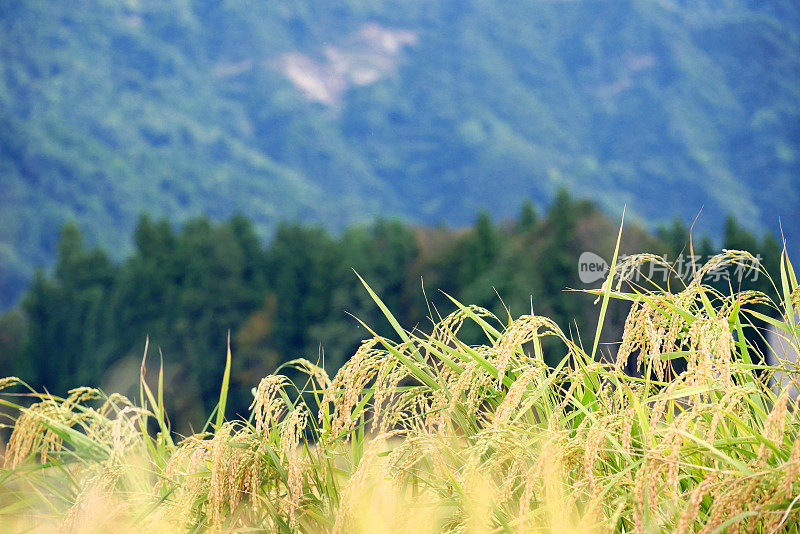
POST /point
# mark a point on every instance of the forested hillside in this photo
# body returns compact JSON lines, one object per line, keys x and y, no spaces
{"x":336,"y":113}
{"x":185,"y":288}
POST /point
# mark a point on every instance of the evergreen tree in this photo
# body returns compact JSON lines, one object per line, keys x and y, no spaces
{"x":559,"y":261}
{"x":478,"y":250}
{"x":68,"y":316}
{"x":301,"y":265}
{"x":13,"y":337}
{"x":676,"y":239}
{"x":41,"y":305}
{"x":739,"y":238}
{"x":527,"y":218}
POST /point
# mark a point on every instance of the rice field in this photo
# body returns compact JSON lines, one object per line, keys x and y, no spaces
{"x":422,"y":432}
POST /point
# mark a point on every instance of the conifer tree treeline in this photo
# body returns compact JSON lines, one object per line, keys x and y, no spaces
{"x":85,"y":323}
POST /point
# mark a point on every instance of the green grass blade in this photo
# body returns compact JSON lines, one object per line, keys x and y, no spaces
{"x":223,"y":393}
{"x":607,"y":290}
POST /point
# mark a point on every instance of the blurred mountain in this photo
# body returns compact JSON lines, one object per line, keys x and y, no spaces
{"x":337,"y":112}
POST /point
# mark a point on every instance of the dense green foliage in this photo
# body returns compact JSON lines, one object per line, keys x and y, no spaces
{"x":109,"y":109}
{"x":86,"y":322}
{"x":422,"y":432}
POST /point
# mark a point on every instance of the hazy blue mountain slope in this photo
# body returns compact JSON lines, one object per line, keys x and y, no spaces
{"x":336,"y":113}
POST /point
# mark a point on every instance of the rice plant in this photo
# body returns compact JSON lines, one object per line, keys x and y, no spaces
{"x":425,"y":433}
